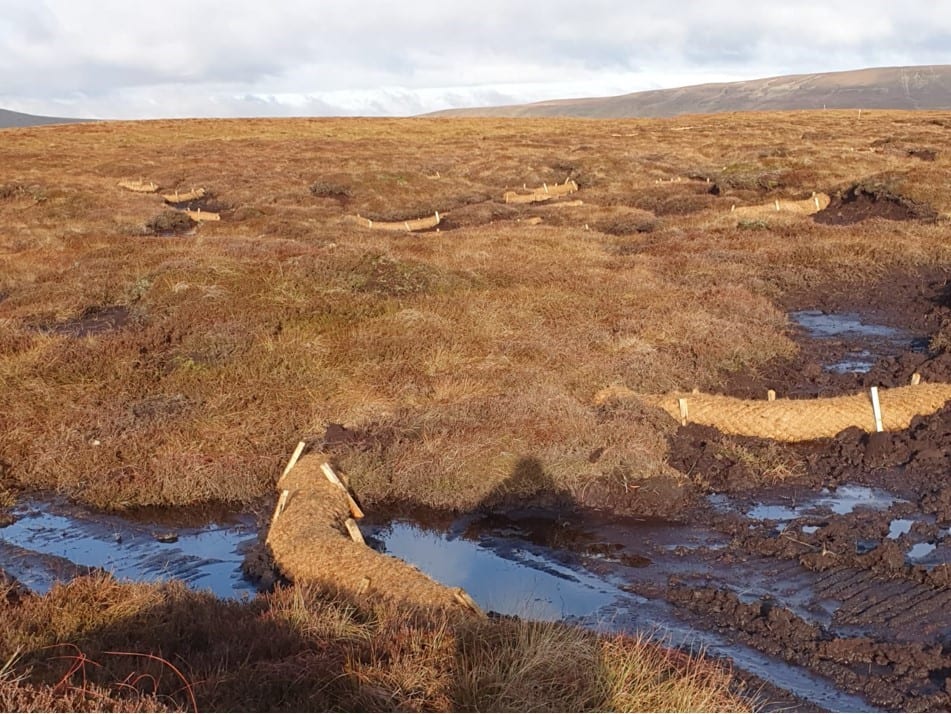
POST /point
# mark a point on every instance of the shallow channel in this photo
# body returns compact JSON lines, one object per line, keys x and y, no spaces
{"x":611,"y":575}
{"x":608,"y":574}
{"x":862,"y":342}
{"x":54,"y":540}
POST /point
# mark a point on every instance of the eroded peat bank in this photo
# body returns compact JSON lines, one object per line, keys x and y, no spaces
{"x":481,"y":320}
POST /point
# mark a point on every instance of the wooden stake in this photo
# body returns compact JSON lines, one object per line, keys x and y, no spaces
{"x":916,"y":378}
{"x":682,"y":403}
{"x":364,"y":585}
{"x":465,"y":599}
{"x":332,"y":477}
{"x":282,"y":501}
{"x":777,"y":204}
{"x":876,"y":409}
{"x":281,"y":505}
{"x":354,"y":530}
{"x":771,"y":395}
{"x":293,"y":462}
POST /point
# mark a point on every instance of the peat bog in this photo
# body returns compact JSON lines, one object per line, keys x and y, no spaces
{"x":147,"y":361}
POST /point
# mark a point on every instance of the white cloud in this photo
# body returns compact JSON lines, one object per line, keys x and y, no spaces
{"x":177,"y":58}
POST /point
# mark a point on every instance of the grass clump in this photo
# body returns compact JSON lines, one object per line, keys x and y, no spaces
{"x":169,"y":223}
{"x":97,"y":645}
{"x":330,"y":189}
{"x":473,"y":350}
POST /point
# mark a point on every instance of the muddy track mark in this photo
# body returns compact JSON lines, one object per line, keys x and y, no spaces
{"x":897,"y":676}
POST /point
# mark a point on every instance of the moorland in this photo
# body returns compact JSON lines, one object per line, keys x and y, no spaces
{"x":151,"y":359}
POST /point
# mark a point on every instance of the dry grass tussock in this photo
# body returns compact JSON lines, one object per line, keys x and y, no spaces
{"x":466,"y":359}
{"x":96,"y":645}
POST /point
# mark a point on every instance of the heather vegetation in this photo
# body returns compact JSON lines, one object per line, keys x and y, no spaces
{"x":146,"y":359}
{"x":95,"y":645}
{"x":453,"y":355}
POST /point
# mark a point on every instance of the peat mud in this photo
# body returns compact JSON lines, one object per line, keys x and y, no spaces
{"x":170,"y":223}
{"x":858,"y":533}
{"x":851,"y":337}
{"x":864,"y":201}
{"x":208,"y":202}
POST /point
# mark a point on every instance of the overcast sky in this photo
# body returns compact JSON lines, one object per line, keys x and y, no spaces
{"x":174,"y":58}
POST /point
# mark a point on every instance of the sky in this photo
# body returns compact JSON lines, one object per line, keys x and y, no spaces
{"x":129,"y":59}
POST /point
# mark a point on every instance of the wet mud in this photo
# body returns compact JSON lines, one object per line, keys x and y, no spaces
{"x":858,"y":533}
{"x":821,"y":570}
{"x":853,"y":337}
{"x":208,"y":202}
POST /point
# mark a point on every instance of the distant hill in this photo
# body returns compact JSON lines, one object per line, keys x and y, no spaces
{"x":11,"y":119}
{"x":923,"y":87}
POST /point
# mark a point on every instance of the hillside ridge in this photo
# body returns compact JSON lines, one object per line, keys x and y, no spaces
{"x":910,"y":88}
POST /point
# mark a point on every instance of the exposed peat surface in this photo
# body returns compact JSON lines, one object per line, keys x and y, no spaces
{"x":832,"y":586}
{"x":821,"y":570}
{"x":828,"y":591}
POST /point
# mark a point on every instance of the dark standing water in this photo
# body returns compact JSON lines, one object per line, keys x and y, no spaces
{"x":513,"y":580}
{"x":610,"y":575}
{"x":862,"y":343}
{"x":52,"y":541}
{"x":607,"y":574}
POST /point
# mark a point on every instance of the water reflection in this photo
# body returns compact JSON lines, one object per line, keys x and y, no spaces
{"x":511,"y":580}
{"x":48,"y":540}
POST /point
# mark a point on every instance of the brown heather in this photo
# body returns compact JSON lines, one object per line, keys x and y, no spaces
{"x":145,"y":359}
{"x":458,"y":354}
{"x":95,"y":645}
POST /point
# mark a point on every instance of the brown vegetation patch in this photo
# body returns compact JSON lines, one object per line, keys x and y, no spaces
{"x":337,"y":190}
{"x":678,"y":199}
{"x":925,"y":154}
{"x":97,"y":645}
{"x":93,"y":321}
{"x":626,"y":222}
{"x":13,"y":191}
{"x":170,"y":223}
{"x":482,"y":345}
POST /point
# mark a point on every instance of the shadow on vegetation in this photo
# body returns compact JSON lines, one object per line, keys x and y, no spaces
{"x":528,"y":483}
{"x":95,"y":644}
